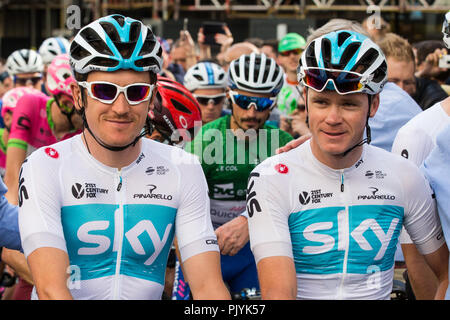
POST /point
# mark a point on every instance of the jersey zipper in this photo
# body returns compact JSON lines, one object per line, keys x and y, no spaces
{"x":118,"y":234}
{"x":344,"y":235}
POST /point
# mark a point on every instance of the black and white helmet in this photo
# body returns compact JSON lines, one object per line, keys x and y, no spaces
{"x":24,"y":61}
{"x":205,"y":75}
{"x":255,"y":73}
{"x":115,"y":42}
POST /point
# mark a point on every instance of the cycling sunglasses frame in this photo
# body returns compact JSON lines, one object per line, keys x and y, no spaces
{"x":360,"y":84}
{"x":253,"y":101}
{"x":287,"y":53}
{"x":88,"y":86}
{"x":214,"y":99}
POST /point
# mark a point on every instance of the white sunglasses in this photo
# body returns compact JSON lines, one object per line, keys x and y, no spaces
{"x":108,"y":92}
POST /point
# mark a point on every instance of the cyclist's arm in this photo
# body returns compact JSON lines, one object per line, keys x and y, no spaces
{"x":196,"y":240}
{"x":423,"y":224}
{"x":48,"y":267}
{"x":15,"y":156}
{"x":268,"y":210}
{"x":41,"y":228}
{"x":277,"y":278}
{"x":16,"y":260}
{"x":204,"y":276}
{"x":438,"y":261}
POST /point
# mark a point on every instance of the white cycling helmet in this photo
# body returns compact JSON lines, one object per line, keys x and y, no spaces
{"x":255,"y":73}
{"x":24,"y":61}
{"x":205,"y":75}
{"x":446,"y":30}
{"x":100,"y":46}
{"x":52,"y":47}
{"x":360,"y":62}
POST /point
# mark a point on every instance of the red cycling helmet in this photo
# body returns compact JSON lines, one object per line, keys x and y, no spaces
{"x":176,"y":112}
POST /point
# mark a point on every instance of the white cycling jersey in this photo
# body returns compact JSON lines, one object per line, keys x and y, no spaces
{"x":340,"y":227}
{"x":417,"y":138}
{"x":116,"y":226}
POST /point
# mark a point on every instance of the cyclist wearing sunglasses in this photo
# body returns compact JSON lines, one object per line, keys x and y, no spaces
{"x":328,"y":225}
{"x":240,"y":141}
{"x":39,"y":120}
{"x":26,"y":67}
{"x":103,"y":182}
{"x":207,"y":81}
{"x":290,"y":48}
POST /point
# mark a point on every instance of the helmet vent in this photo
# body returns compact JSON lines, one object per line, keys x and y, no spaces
{"x":94,"y":40}
{"x":348,"y":54}
{"x":366,"y":61}
{"x":180,"y":107}
{"x":342,"y":36}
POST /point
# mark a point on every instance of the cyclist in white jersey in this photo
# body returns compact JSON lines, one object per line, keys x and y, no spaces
{"x":415,"y":141}
{"x":325,"y":217}
{"x":94,"y":222}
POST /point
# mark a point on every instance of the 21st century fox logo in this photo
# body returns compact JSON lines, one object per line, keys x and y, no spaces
{"x":89,"y":189}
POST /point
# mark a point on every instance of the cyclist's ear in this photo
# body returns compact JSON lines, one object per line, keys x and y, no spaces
{"x":76,"y":94}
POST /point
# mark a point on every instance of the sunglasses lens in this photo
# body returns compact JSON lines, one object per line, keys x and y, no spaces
{"x":205,"y":100}
{"x":294,"y":51}
{"x":343,"y":81}
{"x":104,"y":91}
{"x":138,"y":92}
{"x":261,"y":103}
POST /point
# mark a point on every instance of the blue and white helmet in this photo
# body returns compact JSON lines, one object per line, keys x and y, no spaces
{"x":446,"y":30}
{"x":255,"y":73}
{"x":52,"y":47}
{"x":115,"y":42}
{"x":350,"y":51}
{"x":205,"y":75}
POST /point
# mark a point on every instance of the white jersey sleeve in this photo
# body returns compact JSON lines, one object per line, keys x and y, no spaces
{"x":39,"y":206}
{"x":194,"y":230}
{"x":421,"y":217}
{"x":268,"y":216}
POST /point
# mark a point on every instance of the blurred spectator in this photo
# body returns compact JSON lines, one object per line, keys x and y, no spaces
{"x":183,"y":55}
{"x":376,"y":27}
{"x":166,"y":59}
{"x":290,"y":48}
{"x":235,"y":51}
{"x":270,"y":48}
{"x":258,"y":42}
{"x":428,"y":53}
{"x":401,"y":69}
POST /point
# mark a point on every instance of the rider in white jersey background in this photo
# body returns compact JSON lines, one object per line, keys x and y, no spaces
{"x":98,"y":212}
{"x":327,"y":225}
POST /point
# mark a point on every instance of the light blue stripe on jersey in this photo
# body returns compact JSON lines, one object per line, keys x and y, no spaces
{"x":320,"y":238}
{"x":90,"y":232}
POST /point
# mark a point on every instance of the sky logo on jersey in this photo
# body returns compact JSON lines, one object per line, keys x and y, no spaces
{"x":96,"y":233}
{"x":328,"y":240}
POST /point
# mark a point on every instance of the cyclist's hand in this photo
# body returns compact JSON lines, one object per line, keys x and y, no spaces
{"x":293,"y":144}
{"x":232,"y":236}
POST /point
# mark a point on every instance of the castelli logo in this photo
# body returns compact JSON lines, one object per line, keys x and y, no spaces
{"x":52,"y":153}
{"x":281,"y":168}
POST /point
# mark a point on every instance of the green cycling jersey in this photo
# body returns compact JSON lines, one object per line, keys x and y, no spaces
{"x":228,"y":160}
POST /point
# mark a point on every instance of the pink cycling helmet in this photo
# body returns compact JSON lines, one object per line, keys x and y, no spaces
{"x":11,"y":97}
{"x":59,"y":76}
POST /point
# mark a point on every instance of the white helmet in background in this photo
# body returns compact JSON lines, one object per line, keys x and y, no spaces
{"x":255,"y":73}
{"x":205,"y":75}
{"x":52,"y":47}
{"x":446,"y":30}
{"x":24,"y":61}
